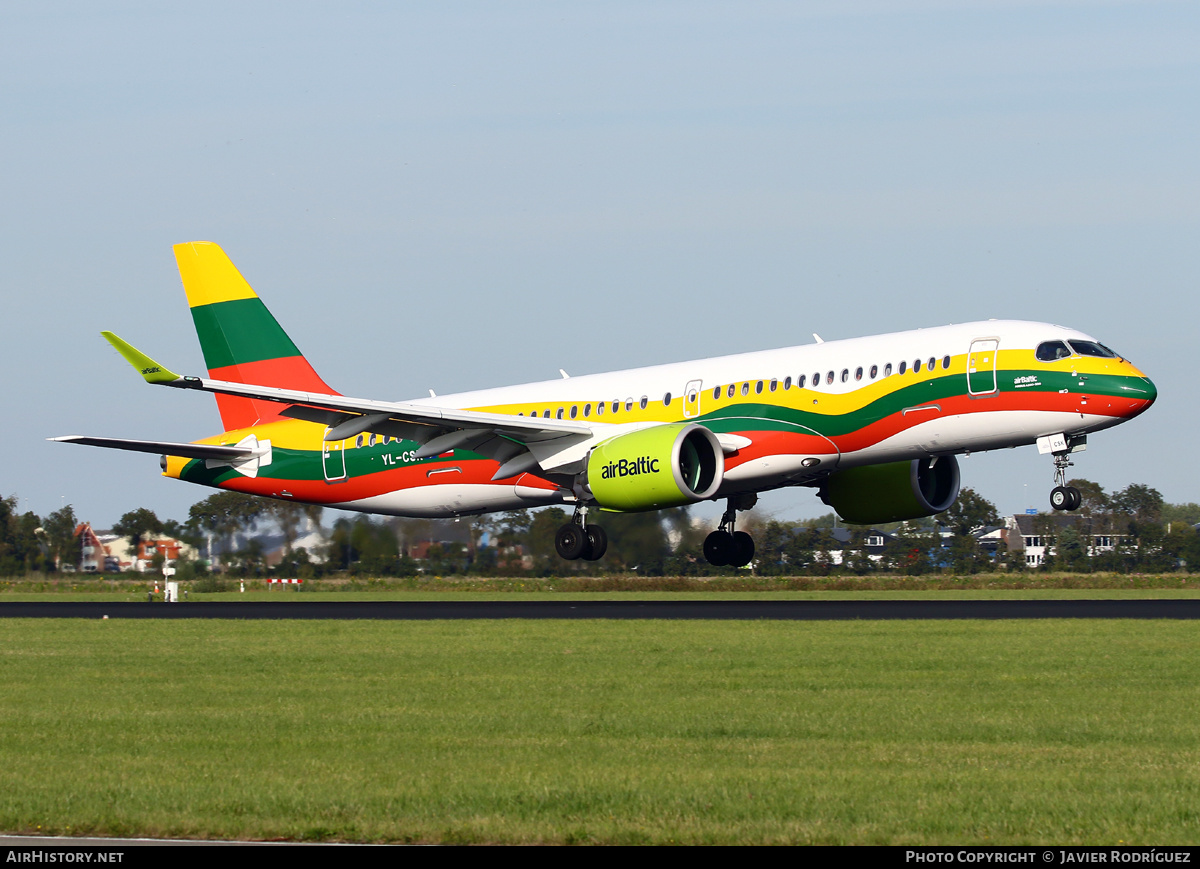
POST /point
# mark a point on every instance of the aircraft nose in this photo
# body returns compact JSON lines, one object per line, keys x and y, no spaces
{"x":1140,"y":393}
{"x":1151,"y":390}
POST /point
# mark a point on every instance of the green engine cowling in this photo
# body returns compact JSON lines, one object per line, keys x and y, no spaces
{"x":662,"y":466}
{"x":875,"y":494}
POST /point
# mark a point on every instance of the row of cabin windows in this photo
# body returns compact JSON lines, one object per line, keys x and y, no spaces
{"x":770,"y":385}
{"x":371,"y":440}
{"x":575,"y":411}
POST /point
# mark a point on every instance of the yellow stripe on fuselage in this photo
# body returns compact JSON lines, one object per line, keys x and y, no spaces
{"x":301,"y":435}
{"x":208,"y":275}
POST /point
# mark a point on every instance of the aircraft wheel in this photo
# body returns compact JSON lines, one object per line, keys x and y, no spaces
{"x":597,"y":543}
{"x":743,"y":547}
{"x":1060,"y":498}
{"x":719,"y":548}
{"x":1076,"y":498}
{"x":570,"y":541}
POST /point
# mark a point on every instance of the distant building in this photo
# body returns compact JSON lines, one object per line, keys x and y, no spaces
{"x":94,"y":554}
{"x":1038,"y":535}
{"x":875,"y":544}
{"x":121,"y":556}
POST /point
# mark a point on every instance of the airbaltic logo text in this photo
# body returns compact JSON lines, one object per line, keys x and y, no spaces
{"x":629,"y":468}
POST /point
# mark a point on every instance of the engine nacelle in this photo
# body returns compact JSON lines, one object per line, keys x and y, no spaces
{"x":662,"y":466}
{"x":874,"y":494}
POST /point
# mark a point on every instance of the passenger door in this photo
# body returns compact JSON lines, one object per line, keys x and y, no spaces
{"x":981,"y":367}
{"x":333,"y":458}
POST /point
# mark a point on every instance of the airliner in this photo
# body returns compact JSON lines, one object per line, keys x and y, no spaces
{"x":873,"y":424}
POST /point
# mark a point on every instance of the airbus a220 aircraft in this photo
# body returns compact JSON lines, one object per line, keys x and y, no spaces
{"x":873,"y":424}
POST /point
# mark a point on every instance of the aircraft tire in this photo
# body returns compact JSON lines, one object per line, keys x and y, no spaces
{"x":743,"y":549}
{"x":570,"y":541}
{"x":1076,"y":498}
{"x":1060,"y":498}
{"x":719,"y":548}
{"x":597,"y":543}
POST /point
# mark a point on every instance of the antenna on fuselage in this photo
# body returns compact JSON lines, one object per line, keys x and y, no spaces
{"x":818,"y":338}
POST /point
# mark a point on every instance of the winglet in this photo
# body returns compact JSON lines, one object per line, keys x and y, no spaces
{"x":147,"y":367}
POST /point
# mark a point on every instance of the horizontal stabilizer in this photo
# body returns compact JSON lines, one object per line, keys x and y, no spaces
{"x":187,"y":451}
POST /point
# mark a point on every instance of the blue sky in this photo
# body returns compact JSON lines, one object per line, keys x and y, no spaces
{"x":465,"y":195}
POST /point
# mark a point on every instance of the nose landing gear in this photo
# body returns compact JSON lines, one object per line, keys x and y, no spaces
{"x":577,"y":539}
{"x":726,"y":547}
{"x":1062,"y":496}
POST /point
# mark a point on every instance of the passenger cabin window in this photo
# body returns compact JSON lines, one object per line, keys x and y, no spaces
{"x":667,"y":399}
{"x":932,"y":363}
{"x":616,"y":405}
{"x":816,"y":379}
{"x":903,"y":367}
{"x":845,"y":374}
{"x":729,"y":392}
{"x":887,"y":370}
{"x":745,"y":389}
{"x":574,"y":410}
{"x":858,"y":373}
{"x":1049,"y":351}
{"x":945,"y":362}
{"x":1091,"y":348}
{"x":874,"y":371}
{"x":642,"y":404}
{"x":916,"y":366}
{"x":758,"y":388}
{"x":787,"y":382}
{"x":829,"y":377}
{"x":629,"y":404}
{"x":558,"y":414}
{"x":716,"y":392}
{"x":774,"y":384}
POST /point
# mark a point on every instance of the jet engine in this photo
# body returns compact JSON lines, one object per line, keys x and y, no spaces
{"x":661,"y":466}
{"x":875,"y":494}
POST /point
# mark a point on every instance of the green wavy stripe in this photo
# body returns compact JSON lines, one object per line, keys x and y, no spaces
{"x":768,"y":417}
{"x":307,"y":465}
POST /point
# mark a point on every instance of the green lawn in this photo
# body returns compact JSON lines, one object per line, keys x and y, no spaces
{"x":549,"y":731}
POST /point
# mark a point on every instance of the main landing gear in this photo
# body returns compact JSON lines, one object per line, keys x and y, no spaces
{"x":577,"y":539}
{"x":726,"y":547}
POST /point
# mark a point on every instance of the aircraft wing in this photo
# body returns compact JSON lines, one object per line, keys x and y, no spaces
{"x":519,"y":443}
{"x":168,"y":448}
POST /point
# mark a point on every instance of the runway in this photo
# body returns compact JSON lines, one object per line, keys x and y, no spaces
{"x":796,"y":610}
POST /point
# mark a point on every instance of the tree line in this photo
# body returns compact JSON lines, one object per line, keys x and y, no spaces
{"x":1140,"y":532}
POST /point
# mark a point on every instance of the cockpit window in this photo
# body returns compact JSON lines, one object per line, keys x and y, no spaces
{"x":1048,"y":351}
{"x":1091,"y":348}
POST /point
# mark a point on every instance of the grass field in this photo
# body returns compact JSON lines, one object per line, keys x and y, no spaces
{"x":622,"y":732}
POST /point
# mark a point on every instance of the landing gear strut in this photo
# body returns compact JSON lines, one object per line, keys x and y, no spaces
{"x":1062,"y":496}
{"x":577,"y":539}
{"x":726,"y":547}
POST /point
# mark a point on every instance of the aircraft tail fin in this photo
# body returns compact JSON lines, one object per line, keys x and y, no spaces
{"x":240,"y":339}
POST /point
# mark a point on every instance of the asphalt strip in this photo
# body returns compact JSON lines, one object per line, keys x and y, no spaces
{"x":798,"y":610}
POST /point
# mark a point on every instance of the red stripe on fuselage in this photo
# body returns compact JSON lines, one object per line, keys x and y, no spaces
{"x":961,"y":405}
{"x":472,"y":471}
